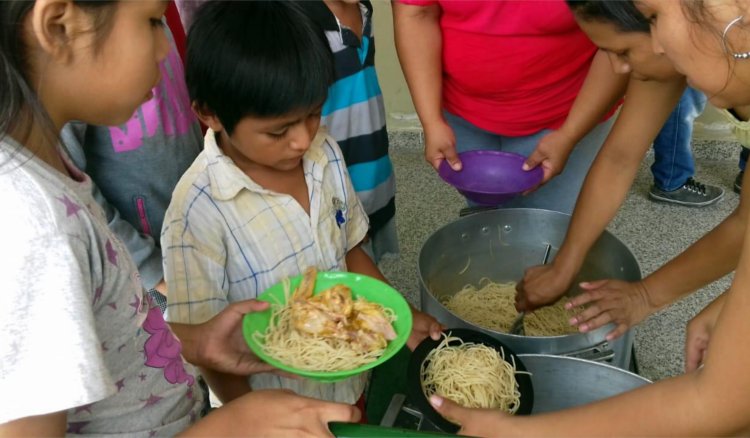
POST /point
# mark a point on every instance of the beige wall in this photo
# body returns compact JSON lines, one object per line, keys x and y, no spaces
{"x":400,"y":110}
{"x":398,"y":106}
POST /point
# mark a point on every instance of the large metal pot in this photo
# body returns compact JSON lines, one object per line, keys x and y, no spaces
{"x":564,"y":382}
{"x":500,"y":244}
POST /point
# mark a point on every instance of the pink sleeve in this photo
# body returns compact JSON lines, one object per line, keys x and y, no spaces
{"x":418,"y":2}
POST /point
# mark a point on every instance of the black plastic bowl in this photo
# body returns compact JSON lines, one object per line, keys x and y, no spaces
{"x":414,"y":380}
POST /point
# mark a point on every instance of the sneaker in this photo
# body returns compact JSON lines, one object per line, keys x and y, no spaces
{"x":691,"y":194}
{"x":738,"y":182}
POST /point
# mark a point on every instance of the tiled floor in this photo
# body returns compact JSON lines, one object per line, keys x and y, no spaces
{"x":654,"y":232}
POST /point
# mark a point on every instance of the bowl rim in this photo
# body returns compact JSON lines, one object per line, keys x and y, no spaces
{"x":403,"y":312}
{"x":445,"y":170}
{"x":414,"y":380}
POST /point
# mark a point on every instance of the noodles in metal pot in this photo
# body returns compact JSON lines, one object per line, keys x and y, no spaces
{"x":492,"y":306}
{"x":472,"y":375}
{"x":330,"y":331}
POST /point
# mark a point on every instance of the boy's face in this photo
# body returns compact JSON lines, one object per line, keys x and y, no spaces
{"x":277,"y":143}
{"x":629,"y":52}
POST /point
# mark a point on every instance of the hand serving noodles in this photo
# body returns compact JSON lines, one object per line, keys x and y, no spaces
{"x":491,"y":306}
{"x":330,"y":331}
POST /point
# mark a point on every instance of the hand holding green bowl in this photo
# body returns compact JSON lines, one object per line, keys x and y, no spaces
{"x":361,"y":286}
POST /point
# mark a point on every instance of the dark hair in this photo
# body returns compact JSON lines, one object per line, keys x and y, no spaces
{"x":622,"y":13}
{"x":19,"y":104}
{"x":256,"y":58}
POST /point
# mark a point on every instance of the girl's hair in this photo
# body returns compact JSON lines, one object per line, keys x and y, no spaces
{"x":256,"y":58}
{"x":19,"y":105}
{"x":622,"y":13}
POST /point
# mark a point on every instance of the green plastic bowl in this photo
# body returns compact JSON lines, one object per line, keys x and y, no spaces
{"x":362,"y":286}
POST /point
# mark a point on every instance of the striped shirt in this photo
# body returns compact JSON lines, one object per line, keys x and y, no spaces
{"x":355,"y":116}
{"x":227,"y":239}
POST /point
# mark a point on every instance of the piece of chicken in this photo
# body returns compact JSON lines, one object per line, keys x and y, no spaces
{"x":370,"y":316}
{"x":366,"y":341}
{"x":336,"y":300}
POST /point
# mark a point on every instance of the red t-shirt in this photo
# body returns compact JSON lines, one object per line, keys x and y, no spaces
{"x":512,"y":67}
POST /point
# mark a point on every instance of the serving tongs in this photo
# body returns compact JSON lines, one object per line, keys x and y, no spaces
{"x":517,"y":327}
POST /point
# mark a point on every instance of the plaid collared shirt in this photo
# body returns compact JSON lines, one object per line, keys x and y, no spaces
{"x":226,"y":238}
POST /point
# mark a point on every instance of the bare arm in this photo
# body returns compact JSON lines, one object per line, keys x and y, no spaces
{"x":273,"y":413}
{"x":711,"y":401}
{"x":40,"y":425}
{"x":418,"y":40}
{"x":599,"y":93}
{"x":646,"y":108}
{"x":218,"y":344}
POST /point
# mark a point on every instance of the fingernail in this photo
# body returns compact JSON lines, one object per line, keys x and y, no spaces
{"x":573,"y":321}
{"x":525,"y":166}
{"x":436,"y":401}
{"x":583,"y":328}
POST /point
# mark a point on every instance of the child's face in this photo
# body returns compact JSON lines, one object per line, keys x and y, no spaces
{"x":277,"y":143}
{"x":629,"y":52}
{"x":114,"y":79}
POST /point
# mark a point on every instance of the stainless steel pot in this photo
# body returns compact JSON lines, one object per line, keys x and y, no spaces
{"x":564,"y":382}
{"x":500,"y":245}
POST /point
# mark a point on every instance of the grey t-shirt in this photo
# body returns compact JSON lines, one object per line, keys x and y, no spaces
{"x":78,"y":332}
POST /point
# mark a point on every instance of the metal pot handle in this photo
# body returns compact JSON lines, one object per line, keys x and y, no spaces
{"x":476,"y":209}
{"x":598,"y":353}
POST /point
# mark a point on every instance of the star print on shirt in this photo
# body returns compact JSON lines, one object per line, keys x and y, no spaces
{"x":98,"y":294}
{"x":71,"y":208}
{"x":120,"y":384}
{"x":111,"y":253}
{"x":152,"y":400}
{"x":136,"y":304}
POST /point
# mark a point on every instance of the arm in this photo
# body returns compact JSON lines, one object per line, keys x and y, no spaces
{"x":599,"y":93}
{"x":707,"y":260}
{"x":646,"y":108}
{"x":273,"y":413}
{"x":711,"y":401}
{"x":418,"y":41}
{"x":40,"y":425}
{"x":698,"y":333}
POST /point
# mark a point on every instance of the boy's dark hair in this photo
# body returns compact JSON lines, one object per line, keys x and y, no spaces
{"x":256,"y":58}
{"x":622,"y":13}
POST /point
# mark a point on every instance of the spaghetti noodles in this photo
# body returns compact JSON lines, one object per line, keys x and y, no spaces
{"x":350,"y":345}
{"x":491,"y":306}
{"x":472,"y":375}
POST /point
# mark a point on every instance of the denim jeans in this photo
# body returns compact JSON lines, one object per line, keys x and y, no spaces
{"x":673,"y":156}
{"x":561,"y":192}
{"x":744,"y":155}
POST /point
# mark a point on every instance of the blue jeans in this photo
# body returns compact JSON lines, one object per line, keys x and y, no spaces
{"x":744,"y":155}
{"x":561,"y":192}
{"x":673,"y":156}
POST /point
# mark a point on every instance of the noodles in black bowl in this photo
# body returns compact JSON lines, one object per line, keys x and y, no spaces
{"x":472,"y":369}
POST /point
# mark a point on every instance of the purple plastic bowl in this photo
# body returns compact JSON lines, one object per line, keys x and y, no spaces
{"x":491,"y":177}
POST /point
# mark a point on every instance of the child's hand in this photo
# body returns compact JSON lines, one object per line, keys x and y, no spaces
{"x":423,"y":325}
{"x":218,"y":344}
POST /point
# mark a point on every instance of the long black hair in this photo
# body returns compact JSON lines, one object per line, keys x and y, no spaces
{"x":622,"y":13}
{"x":20,"y":106}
